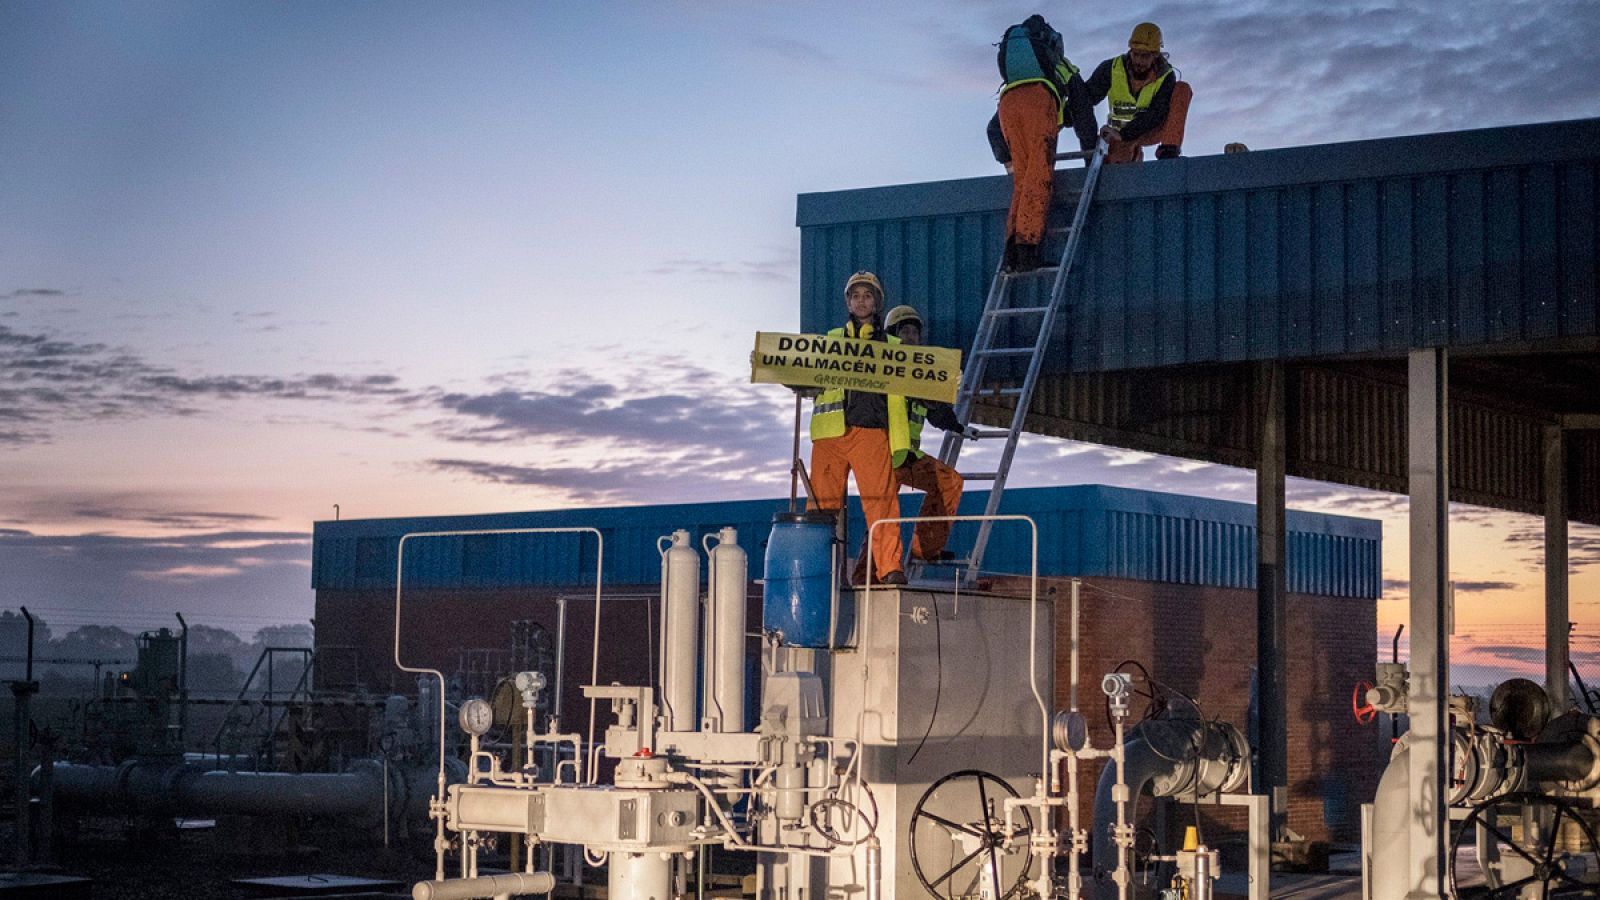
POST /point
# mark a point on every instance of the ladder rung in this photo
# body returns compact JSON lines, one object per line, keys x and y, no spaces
{"x":1059,"y":229}
{"x":999,"y":392}
{"x":1042,"y":270}
{"x":979,"y":476}
{"x":1074,"y":154}
{"x":1020,"y":311}
{"x":1006,"y":351}
{"x":984,"y":433}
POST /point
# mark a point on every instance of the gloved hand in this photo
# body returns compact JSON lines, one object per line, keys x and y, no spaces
{"x":970,"y":432}
{"x":1110,"y":134}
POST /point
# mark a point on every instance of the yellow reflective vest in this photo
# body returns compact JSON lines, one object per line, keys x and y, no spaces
{"x":916,"y":414}
{"x":1124,"y":105}
{"x":827,"y":411}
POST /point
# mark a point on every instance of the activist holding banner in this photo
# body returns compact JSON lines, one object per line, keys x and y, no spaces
{"x":940,"y":484}
{"x":862,"y":432}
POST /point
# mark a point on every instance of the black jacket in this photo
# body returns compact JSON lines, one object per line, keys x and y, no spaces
{"x":864,"y":409}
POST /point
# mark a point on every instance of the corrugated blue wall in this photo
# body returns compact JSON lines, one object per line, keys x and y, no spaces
{"x":1087,"y":531}
{"x":1462,"y":239}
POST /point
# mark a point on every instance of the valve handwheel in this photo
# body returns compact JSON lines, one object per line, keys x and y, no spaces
{"x":1364,"y":711}
{"x":1542,"y":854}
{"x":966,"y":809}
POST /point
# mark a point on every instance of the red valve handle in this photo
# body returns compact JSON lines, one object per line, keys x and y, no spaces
{"x":1364,"y":711}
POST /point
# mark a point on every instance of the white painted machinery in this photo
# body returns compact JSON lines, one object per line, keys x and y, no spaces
{"x":1524,"y":788}
{"x":901,"y":746}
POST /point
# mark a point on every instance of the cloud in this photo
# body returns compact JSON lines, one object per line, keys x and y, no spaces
{"x":1280,"y":73}
{"x":1526,"y":654}
{"x":793,"y":50}
{"x":639,"y":481}
{"x":192,"y":519}
{"x":778,"y":270}
{"x":657,"y":430}
{"x":662,"y":403}
{"x":268,"y":321}
{"x":1484,"y":587}
{"x":20,"y":293}
{"x":47,"y":380}
{"x":1583,"y":544}
{"x":1375,"y":68}
{"x":237,"y":578}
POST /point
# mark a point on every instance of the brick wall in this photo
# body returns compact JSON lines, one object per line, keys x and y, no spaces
{"x":438,"y":624}
{"x":1201,"y":641}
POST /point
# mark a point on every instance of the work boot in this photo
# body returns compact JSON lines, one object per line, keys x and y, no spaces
{"x":1025,"y":258}
{"x":943,"y":556}
{"x":1168,"y":151}
{"x":895,"y":577}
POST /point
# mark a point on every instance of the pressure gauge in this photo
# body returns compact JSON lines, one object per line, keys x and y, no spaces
{"x":477,"y":717}
{"x":529,"y":681}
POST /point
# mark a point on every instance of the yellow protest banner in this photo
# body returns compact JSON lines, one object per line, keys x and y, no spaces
{"x":815,"y":360}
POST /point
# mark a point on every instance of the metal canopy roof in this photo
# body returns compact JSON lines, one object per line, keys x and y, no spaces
{"x":1335,"y":260}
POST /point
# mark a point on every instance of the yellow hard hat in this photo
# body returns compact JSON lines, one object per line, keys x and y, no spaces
{"x":868,"y":279}
{"x":1146,"y":36}
{"x":900,"y":315}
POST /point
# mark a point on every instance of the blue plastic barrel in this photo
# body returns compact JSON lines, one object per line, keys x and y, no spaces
{"x":798,"y":596}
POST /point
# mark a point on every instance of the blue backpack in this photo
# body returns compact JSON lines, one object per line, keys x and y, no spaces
{"x":1029,"y":51}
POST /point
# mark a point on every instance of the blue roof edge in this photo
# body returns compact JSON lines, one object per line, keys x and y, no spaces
{"x":1531,"y":144}
{"x":1017,"y":500}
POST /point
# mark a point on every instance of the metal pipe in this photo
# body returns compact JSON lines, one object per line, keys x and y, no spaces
{"x":1390,"y":850}
{"x":22,"y":714}
{"x":639,"y":876}
{"x":1076,"y":585}
{"x":1217,"y":763}
{"x":1202,"y":875}
{"x":183,"y":679}
{"x":486,"y":886}
{"x":1074,"y":797}
{"x":561,"y":661}
{"x":1123,"y":876}
{"x":399,"y":587}
{"x":182,"y":789}
{"x":1557,"y":650}
{"x":794,"y":460}
{"x":874,"y":868}
{"x":28,"y":672}
{"x":1559,"y":762}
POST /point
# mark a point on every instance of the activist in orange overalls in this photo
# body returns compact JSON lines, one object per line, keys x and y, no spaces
{"x":862,"y":432}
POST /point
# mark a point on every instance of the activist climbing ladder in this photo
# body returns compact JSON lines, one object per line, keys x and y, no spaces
{"x":997,"y":309}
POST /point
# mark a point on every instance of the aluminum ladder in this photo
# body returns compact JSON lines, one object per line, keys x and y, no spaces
{"x":996,"y":310}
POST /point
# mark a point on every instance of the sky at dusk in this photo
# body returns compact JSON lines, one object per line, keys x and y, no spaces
{"x":258,"y":259}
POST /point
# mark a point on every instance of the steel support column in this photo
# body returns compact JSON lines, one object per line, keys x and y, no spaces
{"x":1429,"y":453}
{"x":1556,"y":629}
{"x":1271,"y":585}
